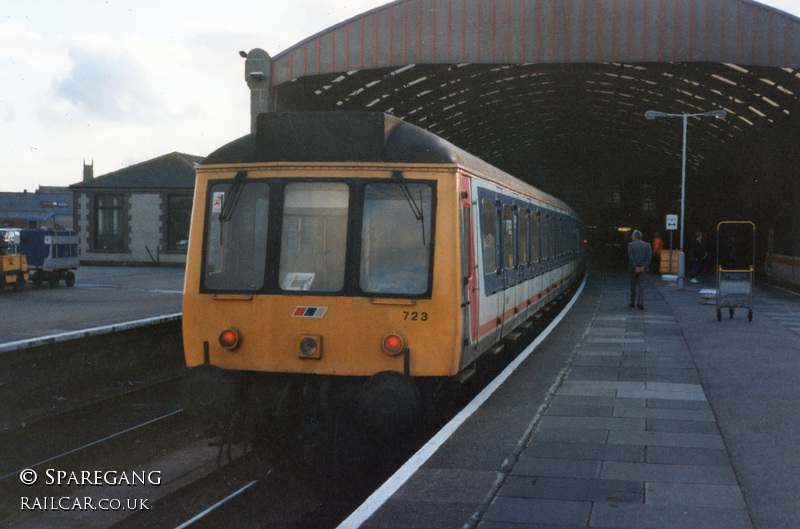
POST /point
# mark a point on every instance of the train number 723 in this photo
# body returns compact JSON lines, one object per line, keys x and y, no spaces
{"x":415,"y":316}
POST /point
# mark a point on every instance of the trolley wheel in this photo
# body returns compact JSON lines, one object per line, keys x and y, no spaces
{"x":19,"y":282}
{"x":52,"y":279}
{"x":730,"y":312}
{"x":750,"y":315}
{"x":38,"y":278}
{"x":719,"y":315}
{"x":69,"y":279}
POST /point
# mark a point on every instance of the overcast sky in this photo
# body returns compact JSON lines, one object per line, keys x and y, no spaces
{"x":123,"y":81}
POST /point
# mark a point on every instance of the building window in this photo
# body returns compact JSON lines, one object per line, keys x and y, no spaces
{"x":108,"y":231}
{"x":179,"y":215}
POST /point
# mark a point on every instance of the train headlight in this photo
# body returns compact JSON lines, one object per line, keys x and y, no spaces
{"x":229,"y":339}
{"x":309,"y":346}
{"x":393,"y":343}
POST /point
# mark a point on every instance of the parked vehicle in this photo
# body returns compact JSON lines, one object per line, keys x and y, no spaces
{"x":51,"y":254}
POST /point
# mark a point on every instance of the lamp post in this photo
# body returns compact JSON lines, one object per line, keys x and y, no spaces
{"x":652,"y":114}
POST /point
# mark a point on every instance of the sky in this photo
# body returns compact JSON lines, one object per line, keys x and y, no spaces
{"x":118,"y":82}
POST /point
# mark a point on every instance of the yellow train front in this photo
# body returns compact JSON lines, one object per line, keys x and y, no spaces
{"x":335,"y":254}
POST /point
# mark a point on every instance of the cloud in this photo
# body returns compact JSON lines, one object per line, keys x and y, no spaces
{"x":106,"y":86}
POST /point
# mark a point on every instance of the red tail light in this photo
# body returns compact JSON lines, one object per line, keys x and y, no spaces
{"x":229,"y":339}
{"x":393,"y":344}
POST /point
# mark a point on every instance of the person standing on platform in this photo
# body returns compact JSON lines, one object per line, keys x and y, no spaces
{"x":698,"y":252}
{"x":658,"y":245}
{"x":639,"y":255}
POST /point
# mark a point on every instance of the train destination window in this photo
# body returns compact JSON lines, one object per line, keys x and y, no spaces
{"x":396,"y":238}
{"x":509,"y":257}
{"x":488,"y":236}
{"x":236,"y":248}
{"x":314,"y":236}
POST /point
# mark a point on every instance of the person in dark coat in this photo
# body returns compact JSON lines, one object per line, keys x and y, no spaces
{"x":698,"y":252}
{"x":639,"y":255}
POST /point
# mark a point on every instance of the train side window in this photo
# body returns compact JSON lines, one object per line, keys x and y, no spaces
{"x":523,"y":237}
{"x":314,"y":236}
{"x":488,"y":236}
{"x":534,"y":238}
{"x":396,"y":239}
{"x":545,"y":231}
{"x":236,"y":249}
{"x":551,"y":237}
{"x":509,"y":244}
{"x":560,"y":237}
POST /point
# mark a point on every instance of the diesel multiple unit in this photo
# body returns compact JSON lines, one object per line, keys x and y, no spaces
{"x":335,"y":252}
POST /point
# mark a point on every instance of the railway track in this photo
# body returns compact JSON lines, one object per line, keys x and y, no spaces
{"x":47,"y":376}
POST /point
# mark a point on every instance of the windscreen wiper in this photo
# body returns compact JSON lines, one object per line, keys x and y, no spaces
{"x":415,"y":209}
{"x":233,"y":197}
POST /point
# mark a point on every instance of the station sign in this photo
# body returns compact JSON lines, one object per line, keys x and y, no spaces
{"x":672,"y":222}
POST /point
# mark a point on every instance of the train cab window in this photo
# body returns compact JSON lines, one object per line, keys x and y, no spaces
{"x":236,"y":248}
{"x":509,"y":244}
{"x":523,"y":237}
{"x":534,"y":238}
{"x":488,"y":237}
{"x":396,"y":238}
{"x":314,"y":236}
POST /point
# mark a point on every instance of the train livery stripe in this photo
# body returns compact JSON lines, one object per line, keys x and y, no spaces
{"x":492,"y":324}
{"x":781,"y":259}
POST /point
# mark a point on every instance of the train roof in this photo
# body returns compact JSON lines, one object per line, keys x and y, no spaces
{"x":331,"y":136}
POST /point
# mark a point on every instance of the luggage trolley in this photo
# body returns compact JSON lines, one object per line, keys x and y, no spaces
{"x":735,"y":269}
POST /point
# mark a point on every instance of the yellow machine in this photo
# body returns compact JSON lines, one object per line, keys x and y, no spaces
{"x":13,"y":267}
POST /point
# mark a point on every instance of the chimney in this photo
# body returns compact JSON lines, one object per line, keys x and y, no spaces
{"x":88,"y":171}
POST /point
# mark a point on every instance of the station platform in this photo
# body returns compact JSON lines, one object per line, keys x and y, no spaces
{"x":102,"y":295}
{"x":624,"y":418}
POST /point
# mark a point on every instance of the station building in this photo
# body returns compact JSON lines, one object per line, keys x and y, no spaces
{"x":46,"y":208}
{"x":138,"y":215}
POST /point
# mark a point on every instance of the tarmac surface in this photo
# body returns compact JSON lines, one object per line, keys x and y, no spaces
{"x":102,"y":295}
{"x":662,"y":418}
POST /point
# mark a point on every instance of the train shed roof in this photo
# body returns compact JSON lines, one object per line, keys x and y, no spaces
{"x":555,"y":91}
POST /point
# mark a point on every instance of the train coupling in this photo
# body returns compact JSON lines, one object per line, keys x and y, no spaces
{"x":389,"y":404}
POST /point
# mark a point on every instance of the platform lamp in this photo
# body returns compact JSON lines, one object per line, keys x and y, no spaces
{"x":652,"y":114}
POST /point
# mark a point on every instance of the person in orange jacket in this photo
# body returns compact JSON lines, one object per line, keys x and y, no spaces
{"x":658,"y":245}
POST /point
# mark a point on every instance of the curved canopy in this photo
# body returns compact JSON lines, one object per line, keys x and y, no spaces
{"x":555,"y":91}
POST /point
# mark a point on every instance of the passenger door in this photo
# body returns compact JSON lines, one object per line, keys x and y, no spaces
{"x":490,"y":277}
{"x":469,"y":297}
